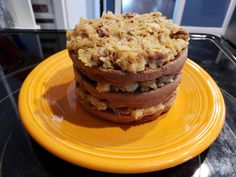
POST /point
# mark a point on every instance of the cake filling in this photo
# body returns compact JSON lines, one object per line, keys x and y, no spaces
{"x":137,"y":86}
{"x":104,"y":106}
{"x":131,"y":87}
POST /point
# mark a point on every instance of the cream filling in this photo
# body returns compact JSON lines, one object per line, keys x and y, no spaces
{"x":99,"y":105}
{"x":102,"y":106}
{"x":132,"y":87}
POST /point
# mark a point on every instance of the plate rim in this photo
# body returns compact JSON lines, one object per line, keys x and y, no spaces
{"x":68,"y":154}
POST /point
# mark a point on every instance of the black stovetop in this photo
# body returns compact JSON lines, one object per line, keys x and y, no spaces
{"x":21,"y":156}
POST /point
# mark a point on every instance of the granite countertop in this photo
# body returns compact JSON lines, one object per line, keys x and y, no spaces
{"x":22,"y":50}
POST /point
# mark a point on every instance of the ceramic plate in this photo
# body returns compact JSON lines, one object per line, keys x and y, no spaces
{"x":49,"y":111}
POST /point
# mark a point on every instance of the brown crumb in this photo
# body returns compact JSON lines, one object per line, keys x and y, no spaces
{"x":102,"y":33}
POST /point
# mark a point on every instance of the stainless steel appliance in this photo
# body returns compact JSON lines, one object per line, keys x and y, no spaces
{"x":230,"y":33}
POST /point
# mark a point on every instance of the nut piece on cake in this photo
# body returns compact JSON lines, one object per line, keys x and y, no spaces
{"x":127,"y":67}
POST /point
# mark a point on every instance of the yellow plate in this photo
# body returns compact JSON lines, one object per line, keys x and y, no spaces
{"x":49,"y":111}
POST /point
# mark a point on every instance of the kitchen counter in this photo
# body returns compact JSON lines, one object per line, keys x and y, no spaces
{"x":20,"y":155}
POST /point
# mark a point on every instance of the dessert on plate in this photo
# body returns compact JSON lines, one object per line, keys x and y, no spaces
{"x":128,"y":66}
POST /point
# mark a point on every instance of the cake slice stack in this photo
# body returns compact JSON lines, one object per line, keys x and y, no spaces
{"x":127,"y":67}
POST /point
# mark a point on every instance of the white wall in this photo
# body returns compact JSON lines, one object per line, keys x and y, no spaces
{"x":74,"y":10}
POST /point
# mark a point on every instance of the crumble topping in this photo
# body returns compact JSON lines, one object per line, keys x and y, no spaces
{"x":128,"y":42}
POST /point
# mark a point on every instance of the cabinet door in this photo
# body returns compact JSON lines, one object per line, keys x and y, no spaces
{"x":146,"y":6}
{"x":210,"y":13}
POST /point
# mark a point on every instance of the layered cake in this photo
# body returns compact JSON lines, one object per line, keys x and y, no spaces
{"x":127,"y":67}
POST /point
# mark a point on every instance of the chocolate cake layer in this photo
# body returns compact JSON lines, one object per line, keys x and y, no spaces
{"x":133,"y":99}
{"x":112,"y":116}
{"x":120,"y":76}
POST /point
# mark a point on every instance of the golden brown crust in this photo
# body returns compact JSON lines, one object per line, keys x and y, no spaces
{"x":118,"y":76}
